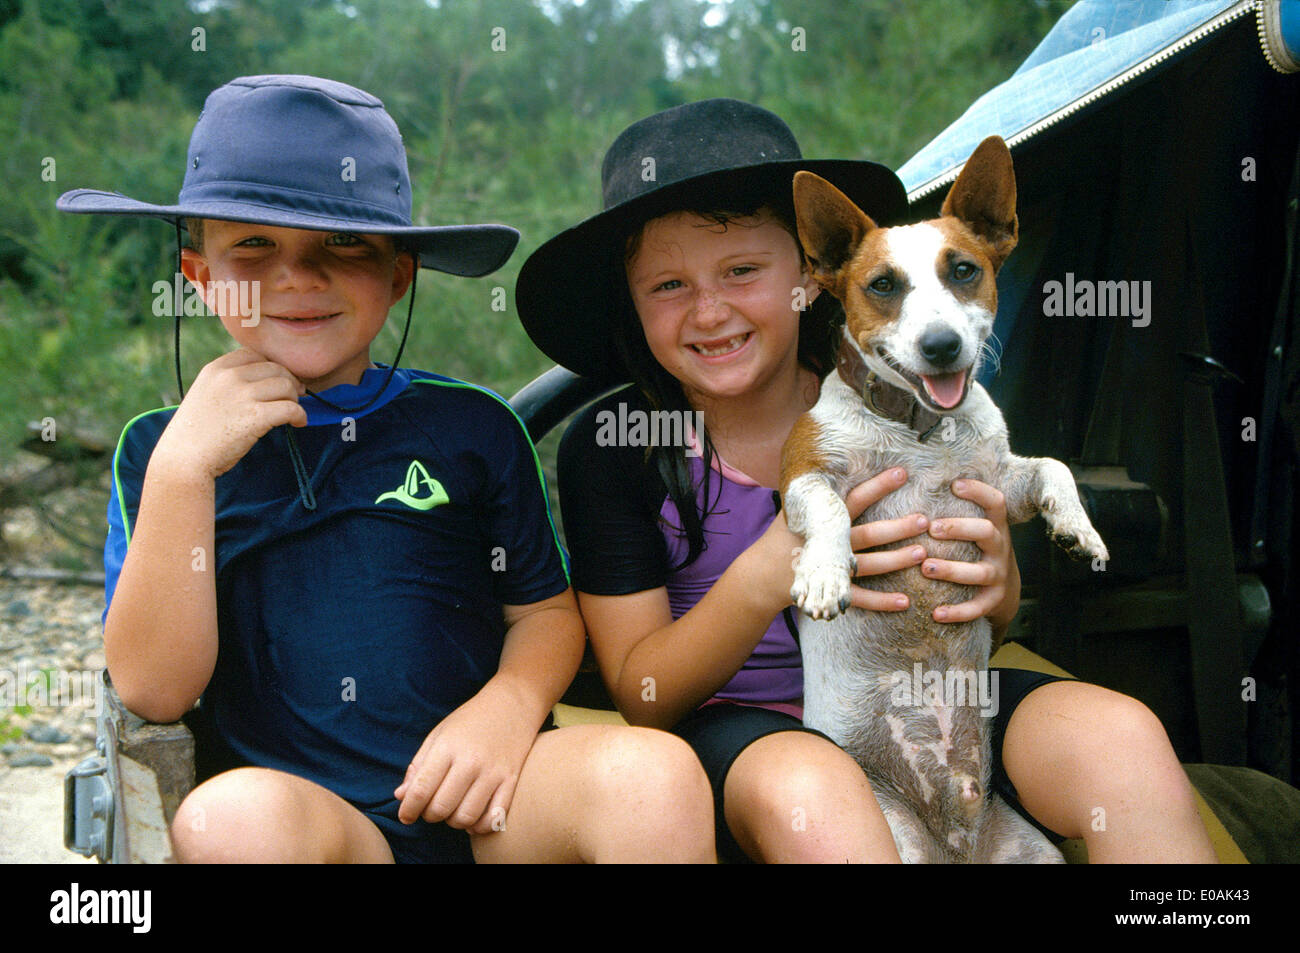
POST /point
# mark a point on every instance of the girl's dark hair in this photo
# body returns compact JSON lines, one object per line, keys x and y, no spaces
{"x":819,"y":333}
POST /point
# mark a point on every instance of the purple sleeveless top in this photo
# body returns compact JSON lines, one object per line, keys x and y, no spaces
{"x":740,"y":511}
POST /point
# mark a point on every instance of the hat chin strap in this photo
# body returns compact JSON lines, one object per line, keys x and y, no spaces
{"x":300,"y":471}
{"x":410,"y":307}
{"x":180,"y":385}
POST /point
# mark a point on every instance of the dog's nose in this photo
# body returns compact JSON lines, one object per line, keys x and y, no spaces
{"x":940,"y":345}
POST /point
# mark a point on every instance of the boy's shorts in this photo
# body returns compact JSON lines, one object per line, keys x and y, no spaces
{"x":421,"y":842}
{"x":719,"y":733}
{"x":418,"y":843}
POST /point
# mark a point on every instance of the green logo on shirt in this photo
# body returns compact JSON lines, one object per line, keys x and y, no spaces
{"x":420,"y":491}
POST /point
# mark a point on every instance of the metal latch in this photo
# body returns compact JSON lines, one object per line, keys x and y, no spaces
{"x":88,"y":809}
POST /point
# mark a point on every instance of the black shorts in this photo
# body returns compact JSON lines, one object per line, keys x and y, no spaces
{"x":719,"y":733}
{"x":1013,"y":685}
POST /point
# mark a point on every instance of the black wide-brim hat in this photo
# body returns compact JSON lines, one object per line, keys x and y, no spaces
{"x":311,"y":153}
{"x":691,"y":157}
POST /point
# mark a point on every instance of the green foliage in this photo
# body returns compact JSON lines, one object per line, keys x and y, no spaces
{"x":506,"y":109}
{"x":10,"y":732}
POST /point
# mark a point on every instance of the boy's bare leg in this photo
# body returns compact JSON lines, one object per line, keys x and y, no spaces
{"x":258,"y":815}
{"x":606,"y":794}
{"x":1092,"y":763}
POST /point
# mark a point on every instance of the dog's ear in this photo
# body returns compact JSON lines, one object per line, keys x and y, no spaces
{"x":831,"y":228}
{"x":984,"y":197}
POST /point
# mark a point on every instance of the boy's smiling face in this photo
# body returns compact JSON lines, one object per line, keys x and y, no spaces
{"x":715,"y":301}
{"x":322,"y":296}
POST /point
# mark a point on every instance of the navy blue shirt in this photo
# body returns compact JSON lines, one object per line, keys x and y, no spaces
{"x":347,"y":632}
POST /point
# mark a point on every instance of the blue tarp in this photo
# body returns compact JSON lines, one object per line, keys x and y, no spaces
{"x":1093,"y":43}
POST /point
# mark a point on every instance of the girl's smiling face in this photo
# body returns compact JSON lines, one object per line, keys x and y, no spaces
{"x":716,"y":301}
{"x":322,"y":296}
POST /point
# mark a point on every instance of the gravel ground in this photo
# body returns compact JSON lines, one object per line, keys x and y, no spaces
{"x":47,"y":720}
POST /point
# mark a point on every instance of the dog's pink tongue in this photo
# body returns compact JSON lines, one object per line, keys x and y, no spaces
{"x":946,"y":390}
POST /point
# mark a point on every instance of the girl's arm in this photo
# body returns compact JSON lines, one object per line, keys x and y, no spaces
{"x":658,"y":670}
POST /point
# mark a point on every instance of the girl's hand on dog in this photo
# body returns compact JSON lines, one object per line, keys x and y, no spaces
{"x":996,"y":573}
{"x":774,"y":553}
{"x":879,"y":533}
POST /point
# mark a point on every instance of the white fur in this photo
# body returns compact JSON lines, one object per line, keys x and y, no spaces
{"x":849,"y":656}
{"x":929,"y":766}
{"x":916,"y":250}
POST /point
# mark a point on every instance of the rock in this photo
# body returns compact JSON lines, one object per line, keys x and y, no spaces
{"x":30,"y":759}
{"x":18,"y":609}
{"x":47,"y":735}
{"x":11,"y":748}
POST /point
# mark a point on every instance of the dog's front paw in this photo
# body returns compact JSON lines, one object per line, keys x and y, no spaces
{"x":1077,"y":537}
{"x":821,"y":588}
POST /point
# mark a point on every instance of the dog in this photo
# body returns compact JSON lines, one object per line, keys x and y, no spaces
{"x":895,"y":688}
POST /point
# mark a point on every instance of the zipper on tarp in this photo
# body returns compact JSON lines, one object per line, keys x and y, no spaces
{"x":1195,"y":36}
{"x":1269,"y":26}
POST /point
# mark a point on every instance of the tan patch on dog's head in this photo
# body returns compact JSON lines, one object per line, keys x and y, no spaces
{"x":845,"y":248}
{"x":961,"y":248}
{"x":867,"y":310}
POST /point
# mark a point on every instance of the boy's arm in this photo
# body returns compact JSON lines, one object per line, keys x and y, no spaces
{"x":160,"y":638}
{"x":160,"y":634}
{"x":466,"y":771}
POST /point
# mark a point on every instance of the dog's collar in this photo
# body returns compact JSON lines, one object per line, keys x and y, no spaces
{"x":882,"y":397}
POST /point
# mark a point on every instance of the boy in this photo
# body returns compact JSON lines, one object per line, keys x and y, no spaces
{"x":371,"y":604}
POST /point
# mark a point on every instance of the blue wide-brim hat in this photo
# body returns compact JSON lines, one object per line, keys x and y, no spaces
{"x":305,"y":152}
{"x":701,"y":156}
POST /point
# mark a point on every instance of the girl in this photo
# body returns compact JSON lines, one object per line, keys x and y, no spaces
{"x":689,"y":284}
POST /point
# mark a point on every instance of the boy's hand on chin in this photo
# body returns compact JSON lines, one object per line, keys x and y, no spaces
{"x":234,"y":401}
{"x":466,"y":771}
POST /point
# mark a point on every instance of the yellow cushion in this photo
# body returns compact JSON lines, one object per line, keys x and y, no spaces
{"x":566,"y":715}
{"x":1014,"y":655}
{"x":1009,"y":655}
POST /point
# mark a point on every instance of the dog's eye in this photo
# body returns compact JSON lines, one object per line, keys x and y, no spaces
{"x":883,"y":285}
{"x":964,"y":271}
